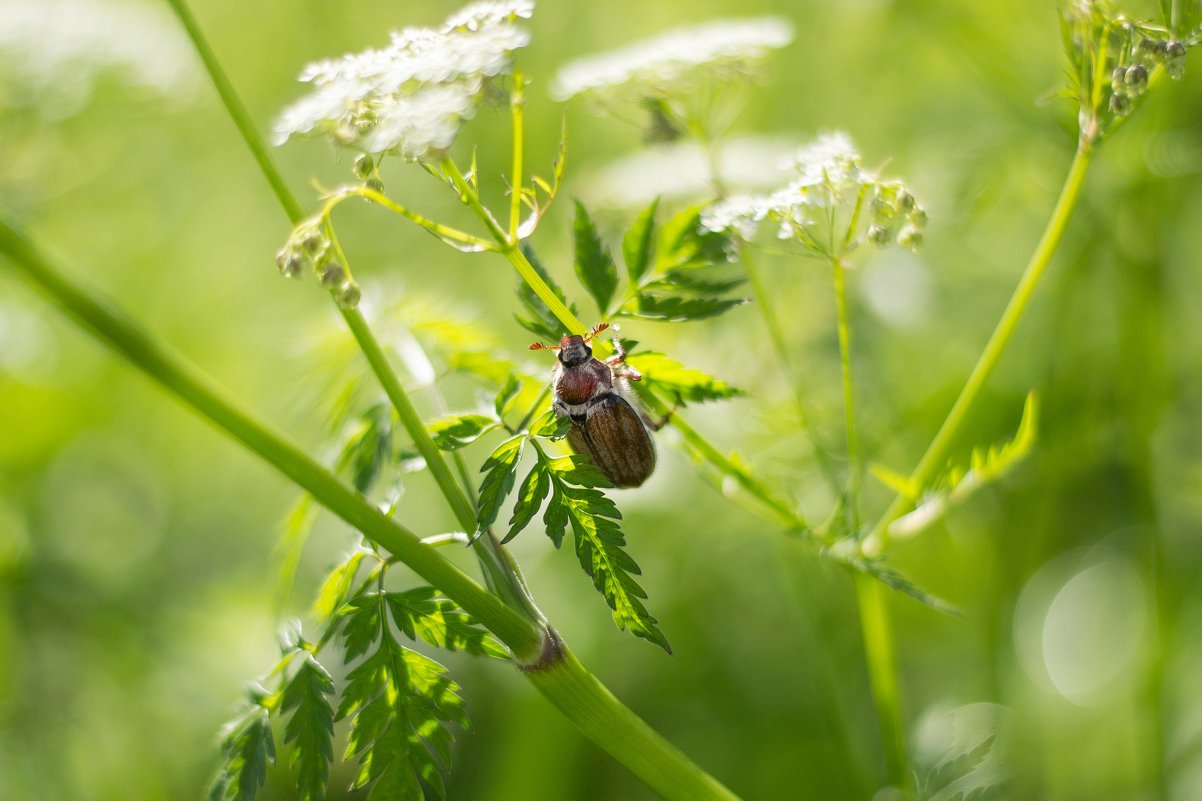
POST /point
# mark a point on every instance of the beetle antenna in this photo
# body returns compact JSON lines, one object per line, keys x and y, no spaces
{"x":541,"y":346}
{"x":597,"y":329}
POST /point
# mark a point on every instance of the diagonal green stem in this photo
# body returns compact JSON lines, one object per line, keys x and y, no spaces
{"x":937,"y":452}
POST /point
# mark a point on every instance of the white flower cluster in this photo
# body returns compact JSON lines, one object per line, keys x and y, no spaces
{"x":831,"y":205}
{"x":409,"y":98}
{"x":722,"y":48}
{"x":57,"y":46}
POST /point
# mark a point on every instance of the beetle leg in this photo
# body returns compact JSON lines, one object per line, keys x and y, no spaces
{"x":656,"y":425}
{"x":618,"y":364}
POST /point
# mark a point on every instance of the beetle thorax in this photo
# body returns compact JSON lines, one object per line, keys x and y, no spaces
{"x":579,"y":384}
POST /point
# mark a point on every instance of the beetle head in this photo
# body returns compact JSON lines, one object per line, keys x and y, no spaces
{"x":573,"y":349}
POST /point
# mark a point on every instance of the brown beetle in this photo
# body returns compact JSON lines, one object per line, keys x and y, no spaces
{"x":606,"y":423}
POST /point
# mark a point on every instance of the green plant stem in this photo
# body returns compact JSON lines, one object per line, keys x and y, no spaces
{"x":876,"y":631}
{"x":556,"y":672}
{"x":937,"y":452}
{"x":517,"y":108}
{"x":640,"y":748}
{"x":111,"y":326}
{"x":852,"y":500}
{"x":763,"y":300}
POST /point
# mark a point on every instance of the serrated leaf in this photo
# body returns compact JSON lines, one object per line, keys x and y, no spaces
{"x":397,"y":701}
{"x":673,"y":379}
{"x":369,"y":450}
{"x":985,"y":466}
{"x":500,"y":469}
{"x":702,"y":281}
{"x":362,"y":619}
{"x":893,"y":480}
{"x":551,"y":425}
{"x":336,"y":589}
{"x":678,"y":309}
{"x":578,"y":469}
{"x":248,"y":748}
{"x":539,"y":319}
{"x":420,"y":613}
{"x":599,"y":546}
{"x":311,"y":727}
{"x":638,"y":245}
{"x":879,"y":570}
{"x":531,"y":495}
{"x":509,"y":390}
{"x":594,"y":265}
{"x":457,"y":430}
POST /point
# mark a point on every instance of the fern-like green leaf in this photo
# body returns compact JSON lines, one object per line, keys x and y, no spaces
{"x":638,"y":245}
{"x":509,"y":390}
{"x":420,"y":613}
{"x":499,"y":469}
{"x":455,"y":431}
{"x":398,"y":703}
{"x":337,"y":587}
{"x":247,"y":748}
{"x":594,"y":265}
{"x":684,"y":243}
{"x":985,"y":466}
{"x":679,"y":309}
{"x":673,"y":380}
{"x":531,"y":495}
{"x":311,"y":727}
{"x":369,"y":449}
{"x":599,"y":543}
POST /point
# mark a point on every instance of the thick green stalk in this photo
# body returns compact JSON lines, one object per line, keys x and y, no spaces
{"x":551,"y":667}
{"x":936,"y":454}
{"x":115,"y":329}
{"x":636,"y":745}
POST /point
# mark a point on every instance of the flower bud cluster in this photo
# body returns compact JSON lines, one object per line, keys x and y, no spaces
{"x":410,"y":98}
{"x":309,"y":248}
{"x":831,"y":207}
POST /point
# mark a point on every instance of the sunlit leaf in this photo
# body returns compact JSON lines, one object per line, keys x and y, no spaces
{"x":673,"y":380}
{"x":421,"y":613}
{"x":247,"y":748}
{"x":457,"y":430}
{"x":678,"y":309}
{"x":499,"y":469}
{"x":638,"y":245}
{"x":985,"y":466}
{"x":310,"y":727}
{"x":531,"y":494}
{"x":594,"y":265}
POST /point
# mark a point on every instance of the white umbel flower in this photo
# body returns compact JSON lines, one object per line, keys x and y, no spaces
{"x":651,"y":67}
{"x":411,"y":96}
{"x":831,"y":206}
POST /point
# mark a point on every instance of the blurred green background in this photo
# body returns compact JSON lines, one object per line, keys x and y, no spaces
{"x":137,"y":572}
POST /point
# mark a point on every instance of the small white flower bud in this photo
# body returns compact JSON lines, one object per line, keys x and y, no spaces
{"x":917,"y":217}
{"x":1136,"y":79}
{"x":1120,"y":104}
{"x":375,"y":185}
